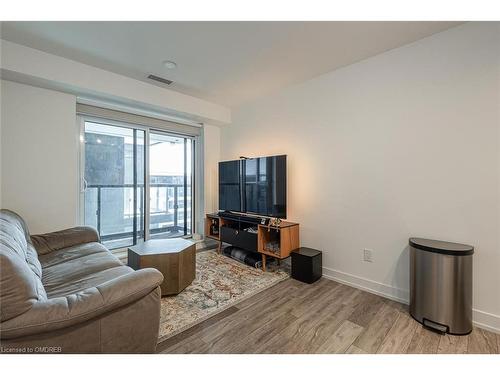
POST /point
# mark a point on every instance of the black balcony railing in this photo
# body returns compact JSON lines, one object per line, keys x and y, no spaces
{"x":120,"y":220}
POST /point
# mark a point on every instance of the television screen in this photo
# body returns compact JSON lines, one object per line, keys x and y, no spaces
{"x":230,"y":186}
{"x":262,"y":189}
{"x":265,"y":186}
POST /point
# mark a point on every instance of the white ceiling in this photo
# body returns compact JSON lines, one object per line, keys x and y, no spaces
{"x":225,"y":62}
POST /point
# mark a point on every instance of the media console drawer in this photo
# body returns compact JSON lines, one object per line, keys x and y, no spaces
{"x":239,"y":238}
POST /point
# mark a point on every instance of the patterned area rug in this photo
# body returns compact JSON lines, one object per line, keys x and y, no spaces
{"x":220,"y":283}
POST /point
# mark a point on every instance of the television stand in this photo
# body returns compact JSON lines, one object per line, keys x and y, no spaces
{"x":247,"y":233}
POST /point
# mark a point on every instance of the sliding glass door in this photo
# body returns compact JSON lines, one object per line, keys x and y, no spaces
{"x":170,"y":185}
{"x":117,"y":161}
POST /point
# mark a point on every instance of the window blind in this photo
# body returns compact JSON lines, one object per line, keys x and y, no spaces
{"x":134,"y":119}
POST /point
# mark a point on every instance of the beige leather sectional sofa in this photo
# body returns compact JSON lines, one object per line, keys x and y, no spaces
{"x":64,"y":292}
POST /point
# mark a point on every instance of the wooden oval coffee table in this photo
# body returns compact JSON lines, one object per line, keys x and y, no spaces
{"x":175,"y":258}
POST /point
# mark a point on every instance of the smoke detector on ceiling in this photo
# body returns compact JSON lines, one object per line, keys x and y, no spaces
{"x":170,"y":64}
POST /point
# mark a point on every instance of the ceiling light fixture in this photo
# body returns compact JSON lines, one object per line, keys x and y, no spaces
{"x":169,"y":64}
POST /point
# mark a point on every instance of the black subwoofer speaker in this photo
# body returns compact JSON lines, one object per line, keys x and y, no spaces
{"x":307,"y":265}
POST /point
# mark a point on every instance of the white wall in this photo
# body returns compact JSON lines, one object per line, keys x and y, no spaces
{"x":39,"y":156}
{"x":211,"y":137}
{"x":402,"y":144}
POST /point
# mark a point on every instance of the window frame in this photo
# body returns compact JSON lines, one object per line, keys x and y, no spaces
{"x":196,"y":166}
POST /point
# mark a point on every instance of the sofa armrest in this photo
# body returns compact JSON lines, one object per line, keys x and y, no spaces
{"x":48,"y":242}
{"x":62,"y":312}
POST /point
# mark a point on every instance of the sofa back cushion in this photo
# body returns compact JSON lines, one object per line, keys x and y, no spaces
{"x":20,"y":269}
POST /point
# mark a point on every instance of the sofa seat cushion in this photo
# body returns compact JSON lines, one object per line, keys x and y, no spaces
{"x":79,"y":267}
{"x":72,"y":253}
{"x":70,"y":285}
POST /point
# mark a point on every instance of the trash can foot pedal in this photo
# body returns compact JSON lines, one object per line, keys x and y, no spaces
{"x":441,"y":328}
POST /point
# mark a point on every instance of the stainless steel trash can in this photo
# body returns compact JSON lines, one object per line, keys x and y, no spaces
{"x":441,"y":285}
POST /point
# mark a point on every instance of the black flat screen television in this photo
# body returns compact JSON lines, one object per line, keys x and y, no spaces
{"x":255,"y":186}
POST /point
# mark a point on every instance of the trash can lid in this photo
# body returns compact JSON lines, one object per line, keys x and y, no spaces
{"x":441,"y":247}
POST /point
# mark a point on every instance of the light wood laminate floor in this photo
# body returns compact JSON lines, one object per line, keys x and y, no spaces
{"x":325,"y":317}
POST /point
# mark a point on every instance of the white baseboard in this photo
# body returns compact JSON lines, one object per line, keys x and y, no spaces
{"x":487,"y":321}
{"x":481,"y":319}
{"x":384,"y":290}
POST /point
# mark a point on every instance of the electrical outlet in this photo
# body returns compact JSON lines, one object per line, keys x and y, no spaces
{"x":368,"y":255}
